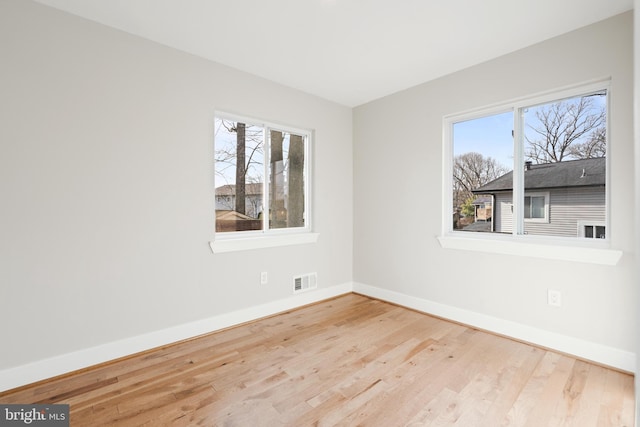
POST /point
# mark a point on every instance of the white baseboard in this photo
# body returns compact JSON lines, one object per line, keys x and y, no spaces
{"x":58,"y":365}
{"x":598,"y":353}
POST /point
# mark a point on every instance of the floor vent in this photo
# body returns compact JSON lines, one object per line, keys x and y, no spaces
{"x":305,"y":282}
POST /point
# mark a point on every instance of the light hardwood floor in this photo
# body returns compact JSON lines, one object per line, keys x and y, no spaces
{"x":347,"y":361}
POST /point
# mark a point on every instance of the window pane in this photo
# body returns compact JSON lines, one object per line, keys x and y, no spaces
{"x":537,"y":207}
{"x":588,"y":231}
{"x":286,"y":180}
{"x":483,"y":153}
{"x":239,"y":177}
{"x":565,"y":155}
{"x":527,"y":207}
{"x":600,"y":232}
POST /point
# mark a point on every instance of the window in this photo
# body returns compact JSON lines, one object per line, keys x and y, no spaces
{"x":536,"y":207}
{"x":594,"y":231}
{"x":530,"y":167}
{"x":591,"y":230}
{"x":261,"y":177}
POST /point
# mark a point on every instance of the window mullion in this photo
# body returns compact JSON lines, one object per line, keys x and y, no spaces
{"x":305,"y":176}
{"x":518,"y":171}
{"x":266,"y":177}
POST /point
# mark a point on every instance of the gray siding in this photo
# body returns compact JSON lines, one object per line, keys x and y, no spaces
{"x":566,"y":208}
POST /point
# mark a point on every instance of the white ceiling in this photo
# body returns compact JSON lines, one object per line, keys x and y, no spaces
{"x":347,"y":51}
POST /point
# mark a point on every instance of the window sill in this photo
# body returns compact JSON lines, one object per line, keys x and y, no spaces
{"x":549,"y":250}
{"x":243,"y":244}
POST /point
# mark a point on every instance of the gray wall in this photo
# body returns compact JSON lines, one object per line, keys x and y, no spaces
{"x":398,"y":150}
{"x":106,"y":170}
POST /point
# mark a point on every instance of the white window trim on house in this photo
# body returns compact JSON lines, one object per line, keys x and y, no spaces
{"x":595,"y":251}
{"x":546,"y":206}
{"x":585,"y":223}
{"x":270,"y":238}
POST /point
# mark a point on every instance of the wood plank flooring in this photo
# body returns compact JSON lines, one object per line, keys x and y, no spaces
{"x":344,"y":362}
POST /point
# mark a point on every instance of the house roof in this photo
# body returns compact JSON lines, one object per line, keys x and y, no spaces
{"x":572,"y":173}
{"x":230,"y":215}
{"x":230,"y":189}
{"x":481,"y":200}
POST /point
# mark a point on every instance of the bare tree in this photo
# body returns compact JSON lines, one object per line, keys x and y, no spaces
{"x":567,"y":130}
{"x":471,"y":171}
{"x":238,"y":161}
{"x":287,"y":180}
{"x":595,"y":146}
{"x":241,"y":148}
{"x":277,"y":211}
{"x":296,"y":181}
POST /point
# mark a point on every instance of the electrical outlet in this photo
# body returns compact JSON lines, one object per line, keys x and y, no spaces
{"x":554,"y":298}
{"x":264,"y":278}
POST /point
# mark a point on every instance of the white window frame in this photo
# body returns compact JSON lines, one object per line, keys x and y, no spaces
{"x":267,"y":238}
{"x":597,"y":251}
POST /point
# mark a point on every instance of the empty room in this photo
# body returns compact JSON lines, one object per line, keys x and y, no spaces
{"x":322,"y":212}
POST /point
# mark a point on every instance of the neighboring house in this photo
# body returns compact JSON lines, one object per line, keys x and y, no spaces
{"x":229,"y":220}
{"x":483,"y":208}
{"x":561,"y":199}
{"x":482,"y":215}
{"x":226,"y":199}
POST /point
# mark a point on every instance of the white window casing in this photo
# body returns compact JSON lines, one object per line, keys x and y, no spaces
{"x":598,"y":251}
{"x":266,"y":237}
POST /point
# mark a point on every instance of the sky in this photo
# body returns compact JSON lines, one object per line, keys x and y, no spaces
{"x":225,"y":149}
{"x":491,"y":136}
{"x":225,"y":152}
